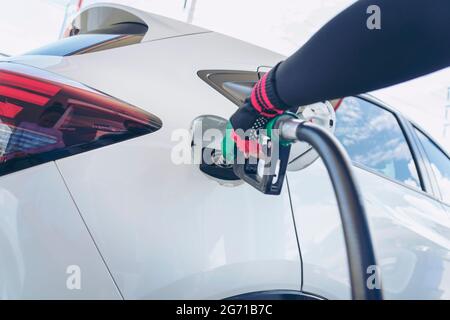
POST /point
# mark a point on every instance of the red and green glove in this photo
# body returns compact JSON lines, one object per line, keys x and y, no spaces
{"x":263,"y":105}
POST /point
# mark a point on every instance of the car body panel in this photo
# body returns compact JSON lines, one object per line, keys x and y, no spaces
{"x":167,"y":230}
{"x":152,"y":69}
{"x":43,"y":240}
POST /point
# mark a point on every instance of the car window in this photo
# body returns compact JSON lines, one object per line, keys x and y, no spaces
{"x":374,"y":139}
{"x":86,"y":43}
{"x":440,"y":165}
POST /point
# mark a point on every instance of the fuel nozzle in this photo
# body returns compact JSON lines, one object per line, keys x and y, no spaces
{"x":266,"y":169}
{"x":265,"y":172}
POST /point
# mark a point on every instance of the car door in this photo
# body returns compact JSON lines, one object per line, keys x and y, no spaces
{"x":46,"y":252}
{"x":409,"y":228}
{"x":438,"y":164}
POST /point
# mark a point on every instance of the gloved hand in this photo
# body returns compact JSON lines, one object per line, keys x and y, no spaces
{"x":245,"y":124}
{"x":262,"y":105}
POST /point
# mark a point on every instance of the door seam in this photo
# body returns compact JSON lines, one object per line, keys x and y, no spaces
{"x":296,"y":233}
{"x":88,"y":230}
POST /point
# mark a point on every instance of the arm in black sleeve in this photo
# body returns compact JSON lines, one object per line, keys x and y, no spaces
{"x":345,"y":57}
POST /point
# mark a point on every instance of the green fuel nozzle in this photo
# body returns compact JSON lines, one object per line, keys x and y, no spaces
{"x":265,"y":173}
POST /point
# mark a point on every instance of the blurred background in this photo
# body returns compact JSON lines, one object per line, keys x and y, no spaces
{"x":278,"y":25}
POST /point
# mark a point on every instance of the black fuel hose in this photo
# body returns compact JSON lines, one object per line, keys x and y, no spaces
{"x":360,"y":253}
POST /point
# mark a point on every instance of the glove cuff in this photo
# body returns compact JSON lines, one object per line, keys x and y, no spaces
{"x":264,"y":97}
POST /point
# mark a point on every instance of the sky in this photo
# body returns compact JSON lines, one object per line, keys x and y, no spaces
{"x":279,"y":25}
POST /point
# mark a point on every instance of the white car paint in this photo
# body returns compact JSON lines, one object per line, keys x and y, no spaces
{"x":41,"y":235}
{"x":176,"y":233}
{"x":173,"y":232}
{"x":167,"y":231}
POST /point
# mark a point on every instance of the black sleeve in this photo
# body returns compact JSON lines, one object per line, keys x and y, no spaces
{"x":345,"y":57}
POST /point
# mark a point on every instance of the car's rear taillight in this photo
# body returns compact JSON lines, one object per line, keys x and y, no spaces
{"x":44,"y":117}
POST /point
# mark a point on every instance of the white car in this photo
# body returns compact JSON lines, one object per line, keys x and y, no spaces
{"x":93,"y":207}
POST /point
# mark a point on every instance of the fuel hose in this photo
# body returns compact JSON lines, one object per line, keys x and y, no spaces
{"x":360,"y":253}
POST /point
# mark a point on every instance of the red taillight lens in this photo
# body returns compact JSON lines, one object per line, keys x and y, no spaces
{"x":26,"y":83}
{"x":9,"y":110}
{"x":44,"y":117}
{"x":22,"y":95}
{"x":22,"y":88}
